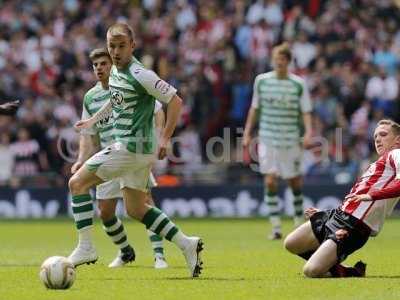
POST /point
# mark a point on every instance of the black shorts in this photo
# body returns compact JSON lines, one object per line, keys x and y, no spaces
{"x":325,"y":224}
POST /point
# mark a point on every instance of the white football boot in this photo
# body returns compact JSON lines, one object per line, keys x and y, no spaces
{"x":83,"y":255}
{"x":123,"y":258}
{"x":160,"y":263}
{"x":192,"y":255}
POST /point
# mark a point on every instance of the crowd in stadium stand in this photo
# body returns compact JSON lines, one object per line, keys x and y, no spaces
{"x":348,"y":52}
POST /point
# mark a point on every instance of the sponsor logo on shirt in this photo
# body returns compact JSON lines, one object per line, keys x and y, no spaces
{"x":162,"y":86}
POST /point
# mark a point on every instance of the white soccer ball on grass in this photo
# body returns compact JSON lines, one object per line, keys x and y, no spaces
{"x":57,"y":272}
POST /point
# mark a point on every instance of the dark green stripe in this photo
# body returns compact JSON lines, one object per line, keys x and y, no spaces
{"x":84,"y":223}
{"x":271,"y":194}
{"x":123,"y":127}
{"x":272,"y":203}
{"x":126,"y":249}
{"x":111,"y":222}
{"x":151,"y":216}
{"x":159,"y":250}
{"x":155,"y":238}
{"x":161,"y":225}
{"x":117,"y":231}
{"x":275,"y":213}
{"x":171,"y":233}
{"x":83,"y":208}
{"x":81,"y":198}
{"x":298,"y":202}
{"x":122,"y":240}
{"x":278,"y":108}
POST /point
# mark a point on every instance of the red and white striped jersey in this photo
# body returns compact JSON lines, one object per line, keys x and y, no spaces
{"x":378,"y":176}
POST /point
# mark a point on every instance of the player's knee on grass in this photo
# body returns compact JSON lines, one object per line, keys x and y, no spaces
{"x":312,"y":270}
{"x":290,"y":243}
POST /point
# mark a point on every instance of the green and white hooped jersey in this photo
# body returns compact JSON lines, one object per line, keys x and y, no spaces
{"x":280,"y":103}
{"x":94,"y":99}
{"x":133,"y":93}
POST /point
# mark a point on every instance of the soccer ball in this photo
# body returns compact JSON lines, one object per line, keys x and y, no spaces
{"x":57,"y":272}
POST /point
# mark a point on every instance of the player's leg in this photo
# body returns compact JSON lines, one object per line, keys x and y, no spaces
{"x":323,"y":259}
{"x":114,"y":228}
{"x":156,"y":243}
{"x":83,"y":212}
{"x":290,"y":169}
{"x":268,"y":166}
{"x":296,"y":185}
{"x":156,"y":221}
{"x":302,"y":241}
{"x":271,"y":199}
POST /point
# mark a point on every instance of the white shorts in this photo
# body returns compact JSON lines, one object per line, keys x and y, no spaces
{"x":115,"y":162}
{"x":112,"y":189}
{"x":283,"y":162}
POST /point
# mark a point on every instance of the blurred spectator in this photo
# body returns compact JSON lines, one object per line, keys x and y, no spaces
{"x":6,"y":159}
{"x":382,"y":90}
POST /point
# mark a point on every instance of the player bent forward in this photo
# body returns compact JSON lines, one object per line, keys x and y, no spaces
{"x":133,"y":93}
{"x":330,"y":236}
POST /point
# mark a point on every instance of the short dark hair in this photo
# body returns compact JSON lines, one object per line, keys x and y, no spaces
{"x":283,"y":49}
{"x":99,"y":52}
{"x":394,"y":126}
{"x":121,"y":29}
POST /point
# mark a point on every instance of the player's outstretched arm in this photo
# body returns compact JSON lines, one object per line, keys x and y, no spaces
{"x":174,"y":107}
{"x":9,"y":108}
{"x":101,"y":114}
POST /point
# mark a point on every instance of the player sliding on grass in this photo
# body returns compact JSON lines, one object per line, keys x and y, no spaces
{"x":330,"y":236}
{"x":99,"y":137}
{"x":133,"y":93}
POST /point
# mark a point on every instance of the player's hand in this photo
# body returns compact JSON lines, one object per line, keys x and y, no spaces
{"x":9,"y":108}
{"x":358,"y":198}
{"x":246,"y":140}
{"x":341,"y":234}
{"x":309,"y":212}
{"x":307,"y":140}
{"x":76,"y":166}
{"x":162,"y":148}
{"x":84,"y":124}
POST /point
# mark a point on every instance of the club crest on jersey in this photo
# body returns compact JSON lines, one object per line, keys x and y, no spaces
{"x":117,"y":98}
{"x":162,"y":86}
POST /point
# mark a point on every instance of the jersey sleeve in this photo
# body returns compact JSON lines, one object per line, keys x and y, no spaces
{"x":395,"y":157}
{"x":153,"y":84}
{"x":305,"y":100}
{"x":157,"y":106}
{"x":87,"y":115}
{"x":255,"y":100}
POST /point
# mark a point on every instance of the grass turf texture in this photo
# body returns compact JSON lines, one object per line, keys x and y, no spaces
{"x":240,"y":263}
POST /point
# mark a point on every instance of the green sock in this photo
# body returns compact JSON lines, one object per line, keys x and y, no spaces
{"x":156,"y":243}
{"x":82,"y":211}
{"x":271,"y":199}
{"x":115,"y":230}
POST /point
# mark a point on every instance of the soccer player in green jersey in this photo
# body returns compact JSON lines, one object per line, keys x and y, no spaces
{"x":97,"y":138}
{"x":282,"y":104}
{"x":133,"y":93}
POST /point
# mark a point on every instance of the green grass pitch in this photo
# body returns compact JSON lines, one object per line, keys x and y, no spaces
{"x":240,"y":263}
